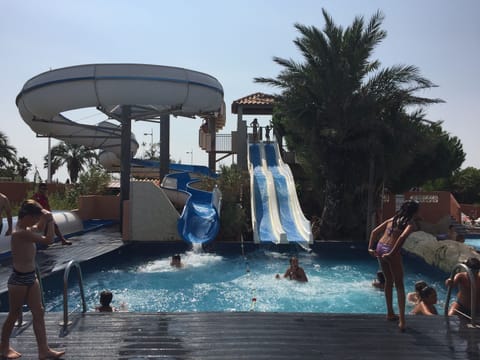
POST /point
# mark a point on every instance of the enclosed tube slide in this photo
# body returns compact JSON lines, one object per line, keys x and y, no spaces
{"x":276,"y":213}
{"x":149,"y":90}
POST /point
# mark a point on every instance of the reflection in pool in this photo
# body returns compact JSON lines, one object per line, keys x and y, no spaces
{"x":339,"y":277}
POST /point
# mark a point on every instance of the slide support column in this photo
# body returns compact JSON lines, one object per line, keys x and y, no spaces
{"x":125,"y":157}
{"x":164,"y":145}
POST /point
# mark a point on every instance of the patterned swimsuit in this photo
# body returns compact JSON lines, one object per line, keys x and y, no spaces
{"x":23,"y":279}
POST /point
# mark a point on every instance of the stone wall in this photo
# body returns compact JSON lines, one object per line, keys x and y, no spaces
{"x":442,"y":254}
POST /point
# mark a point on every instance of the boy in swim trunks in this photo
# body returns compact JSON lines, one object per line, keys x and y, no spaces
{"x":23,"y":285}
{"x":462,"y":304}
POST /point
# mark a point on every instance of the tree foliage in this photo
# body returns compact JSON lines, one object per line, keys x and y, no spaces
{"x":8,"y":153}
{"x":75,"y":157}
{"x":23,"y":167}
{"x":353,"y":125}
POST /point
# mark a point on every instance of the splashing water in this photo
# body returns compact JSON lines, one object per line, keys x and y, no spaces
{"x":213,"y":282}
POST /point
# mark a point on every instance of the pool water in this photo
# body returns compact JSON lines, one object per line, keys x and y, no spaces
{"x":339,"y":282}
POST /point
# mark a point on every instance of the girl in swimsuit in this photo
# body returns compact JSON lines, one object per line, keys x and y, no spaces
{"x":394,"y":233}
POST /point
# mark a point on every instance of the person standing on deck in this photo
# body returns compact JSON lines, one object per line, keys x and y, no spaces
{"x":463,"y":302}
{"x":41,"y":197}
{"x":254,"y":124}
{"x":23,"y":285}
{"x":5,"y":207}
{"x":394,"y":233}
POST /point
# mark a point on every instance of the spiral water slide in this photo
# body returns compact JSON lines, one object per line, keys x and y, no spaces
{"x":149,"y":90}
{"x":276,"y":213}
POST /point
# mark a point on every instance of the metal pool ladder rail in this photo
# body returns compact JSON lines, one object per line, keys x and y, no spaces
{"x":473,"y":291}
{"x":69,"y":266}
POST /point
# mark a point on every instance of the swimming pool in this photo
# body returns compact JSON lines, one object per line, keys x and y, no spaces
{"x":340,"y":278}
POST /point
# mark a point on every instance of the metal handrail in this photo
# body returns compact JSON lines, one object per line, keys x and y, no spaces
{"x":473,"y":293}
{"x":65,"y":290}
{"x":19,"y":322}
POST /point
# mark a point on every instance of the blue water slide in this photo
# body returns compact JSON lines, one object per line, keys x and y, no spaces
{"x":276,"y":213}
{"x":197,"y":169}
{"x":284,"y":197}
{"x":264,"y":213}
{"x":200,"y":219}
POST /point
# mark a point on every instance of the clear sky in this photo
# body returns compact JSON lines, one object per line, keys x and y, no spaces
{"x":234,"y":42}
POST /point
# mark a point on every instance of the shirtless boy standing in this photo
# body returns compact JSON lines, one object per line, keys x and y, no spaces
{"x":23,"y":285}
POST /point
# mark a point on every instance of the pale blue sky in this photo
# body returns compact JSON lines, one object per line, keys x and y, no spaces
{"x":234,"y":42}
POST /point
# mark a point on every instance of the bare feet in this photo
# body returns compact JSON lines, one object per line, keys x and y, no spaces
{"x":392,"y":317}
{"x":52,"y":354}
{"x":11,"y":354}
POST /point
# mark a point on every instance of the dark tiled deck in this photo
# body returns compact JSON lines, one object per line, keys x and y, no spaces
{"x":252,"y":335}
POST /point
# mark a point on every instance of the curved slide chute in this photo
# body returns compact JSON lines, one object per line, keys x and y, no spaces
{"x":199,"y":221}
{"x":276,"y":213}
{"x":149,"y":90}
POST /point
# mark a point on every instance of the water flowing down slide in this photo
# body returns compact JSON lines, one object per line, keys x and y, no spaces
{"x":276,"y":213}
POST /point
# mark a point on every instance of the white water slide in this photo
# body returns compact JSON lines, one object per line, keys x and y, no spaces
{"x":149,"y":90}
{"x":276,"y":213}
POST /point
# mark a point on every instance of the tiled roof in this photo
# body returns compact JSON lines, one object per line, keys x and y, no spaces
{"x":254,"y":104}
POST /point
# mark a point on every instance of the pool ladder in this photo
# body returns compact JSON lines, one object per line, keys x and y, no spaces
{"x":473,"y":294}
{"x":66,"y":274}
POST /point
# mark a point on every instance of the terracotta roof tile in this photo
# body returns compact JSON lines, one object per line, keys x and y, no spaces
{"x":258,"y":103}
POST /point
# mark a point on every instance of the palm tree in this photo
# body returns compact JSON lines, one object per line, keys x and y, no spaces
{"x":338,"y":108}
{"x":23,"y":167}
{"x":8,"y":153}
{"x":76,"y":157}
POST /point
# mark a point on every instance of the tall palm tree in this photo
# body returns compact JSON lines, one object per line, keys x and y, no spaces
{"x":76,"y":157}
{"x":8,"y":153}
{"x":338,"y":108}
{"x":23,"y":167}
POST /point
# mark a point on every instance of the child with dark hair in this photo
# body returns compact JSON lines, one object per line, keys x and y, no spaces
{"x":379,"y":282}
{"x":414,"y":297}
{"x":176,"y":261}
{"x":426,"y":305}
{"x":463,"y":303}
{"x":23,"y":286}
{"x":394,"y":232}
{"x":105,"y":300}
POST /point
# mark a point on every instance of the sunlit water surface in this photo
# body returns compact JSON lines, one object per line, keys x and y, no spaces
{"x":339,"y":282}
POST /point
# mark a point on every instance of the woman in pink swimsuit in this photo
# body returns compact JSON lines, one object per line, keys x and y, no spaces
{"x":394,"y":233}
